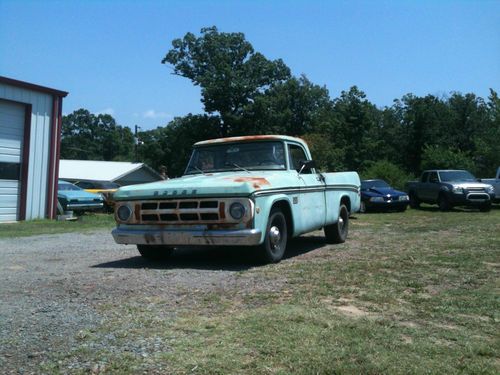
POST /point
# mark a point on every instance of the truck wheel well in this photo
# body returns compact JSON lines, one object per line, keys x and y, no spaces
{"x":347,"y":202}
{"x":285,"y":208}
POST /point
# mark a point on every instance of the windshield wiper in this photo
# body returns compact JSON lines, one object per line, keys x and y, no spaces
{"x":197,"y":169}
{"x":240,"y":167}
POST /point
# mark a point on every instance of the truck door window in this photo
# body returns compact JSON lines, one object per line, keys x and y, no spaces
{"x":433,"y":177}
{"x":425,"y":176}
{"x":296,"y":155}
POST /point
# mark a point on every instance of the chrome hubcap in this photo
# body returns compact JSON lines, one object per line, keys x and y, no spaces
{"x":274,"y":236}
{"x":341,"y":223}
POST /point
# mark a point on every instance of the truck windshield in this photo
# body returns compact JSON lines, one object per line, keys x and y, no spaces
{"x":456,"y":176}
{"x":237,"y":156}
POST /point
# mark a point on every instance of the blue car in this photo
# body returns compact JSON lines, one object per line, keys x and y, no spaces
{"x":73,"y":198}
{"x":378,"y":195}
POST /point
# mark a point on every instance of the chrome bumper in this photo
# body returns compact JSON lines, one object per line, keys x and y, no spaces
{"x":243,"y":237}
{"x":84,"y":206}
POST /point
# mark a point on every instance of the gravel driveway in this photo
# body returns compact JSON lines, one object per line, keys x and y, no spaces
{"x":51,"y":288}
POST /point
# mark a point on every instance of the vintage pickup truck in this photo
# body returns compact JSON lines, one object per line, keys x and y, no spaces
{"x":495,"y":182}
{"x":448,"y":188}
{"x":240,"y":191}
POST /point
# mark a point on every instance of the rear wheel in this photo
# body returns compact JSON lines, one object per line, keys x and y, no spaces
{"x":274,"y":246}
{"x":443,"y":203}
{"x":155,"y":252}
{"x":337,"y":233}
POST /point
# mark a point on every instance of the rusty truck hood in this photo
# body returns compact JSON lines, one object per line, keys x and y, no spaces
{"x":208,"y":185}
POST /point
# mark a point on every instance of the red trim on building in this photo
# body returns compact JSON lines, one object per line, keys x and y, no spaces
{"x":25,"y":161}
{"x":58,"y":154}
{"x":31,"y":86}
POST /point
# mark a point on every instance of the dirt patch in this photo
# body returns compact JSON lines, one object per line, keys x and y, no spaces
{"x":352,"y":311}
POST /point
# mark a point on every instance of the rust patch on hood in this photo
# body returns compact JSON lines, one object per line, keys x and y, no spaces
{"x":257,"y":182}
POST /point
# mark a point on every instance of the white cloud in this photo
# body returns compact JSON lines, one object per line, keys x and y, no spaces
{"x":106,"y":111}
{"x":151,"y":113}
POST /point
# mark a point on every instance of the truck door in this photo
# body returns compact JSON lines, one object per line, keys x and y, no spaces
{"x":311,"y":200}
{"x":433,"y":187}
{"x":429,"y":183}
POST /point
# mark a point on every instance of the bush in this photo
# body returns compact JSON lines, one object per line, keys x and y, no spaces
{"x":390,"y":172}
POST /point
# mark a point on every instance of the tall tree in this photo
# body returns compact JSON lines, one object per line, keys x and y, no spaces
{"x":228,"y":70}
{"x":86,"y":136}
{"x":295,"y":107}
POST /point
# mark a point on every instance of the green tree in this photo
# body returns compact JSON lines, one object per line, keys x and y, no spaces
{"x":294,"y":107}
{"x":86,"y":136}
{"x":228,"y":70}
{"x":355,"y":120}
{"x":171,"y":145}
{"x":439,"y":157}
{"x":487,"y":146}
{"x":327,"y":156}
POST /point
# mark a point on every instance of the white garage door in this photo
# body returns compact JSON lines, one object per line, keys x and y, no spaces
{"x":11,"y":140}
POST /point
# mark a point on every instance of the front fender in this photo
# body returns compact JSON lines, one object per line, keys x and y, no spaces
{"x":263,"y":206}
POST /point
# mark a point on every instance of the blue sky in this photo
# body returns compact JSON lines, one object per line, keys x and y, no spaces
{"x":107,"y":53}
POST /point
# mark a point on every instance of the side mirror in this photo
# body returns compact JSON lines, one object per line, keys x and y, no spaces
{"x":306,"y":165}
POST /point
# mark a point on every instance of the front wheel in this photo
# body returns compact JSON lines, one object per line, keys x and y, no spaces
{"x":443,"y":203}
{"x":155,"y":252}
{"x":337,"y":233}
{"x":362,"y":207}
{"x":414,"y":201}
{"x":274,"y":245}
{"x":486,"y":207}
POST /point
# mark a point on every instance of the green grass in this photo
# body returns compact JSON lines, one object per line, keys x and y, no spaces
{"x":409,"y":293}
{"x":87,"y":222}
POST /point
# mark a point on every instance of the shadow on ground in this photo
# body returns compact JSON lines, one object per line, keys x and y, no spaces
{"x":221,"y":258}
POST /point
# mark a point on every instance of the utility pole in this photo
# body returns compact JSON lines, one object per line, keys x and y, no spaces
{"x":137,"y":142}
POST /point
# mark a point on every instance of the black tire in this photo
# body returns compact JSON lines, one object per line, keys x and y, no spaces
{"x":274,"y":246}
{"x":155,"y":252}
{"x":337,"y":233}
{"x":362,"y":207}
{"x":443,"y":203}
{"x":486,"y":207}
{"x":414,"y":201}
{"x":402,"y":209}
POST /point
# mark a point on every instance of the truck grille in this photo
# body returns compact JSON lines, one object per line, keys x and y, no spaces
{"x":180,"y":211}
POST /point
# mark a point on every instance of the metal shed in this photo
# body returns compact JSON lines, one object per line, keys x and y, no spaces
{"x":30,"y":131}
{"x":123,"y":173}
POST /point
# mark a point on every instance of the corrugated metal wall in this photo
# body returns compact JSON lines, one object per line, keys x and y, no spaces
{"x":39,"y":146}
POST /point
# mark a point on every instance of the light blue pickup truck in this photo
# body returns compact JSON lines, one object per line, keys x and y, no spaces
{"x":240,"y":191}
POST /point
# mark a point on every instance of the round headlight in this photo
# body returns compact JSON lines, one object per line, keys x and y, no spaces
{"x":490,"y":189}
{"x":237,"y":211}
{"x":124,"y":213}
